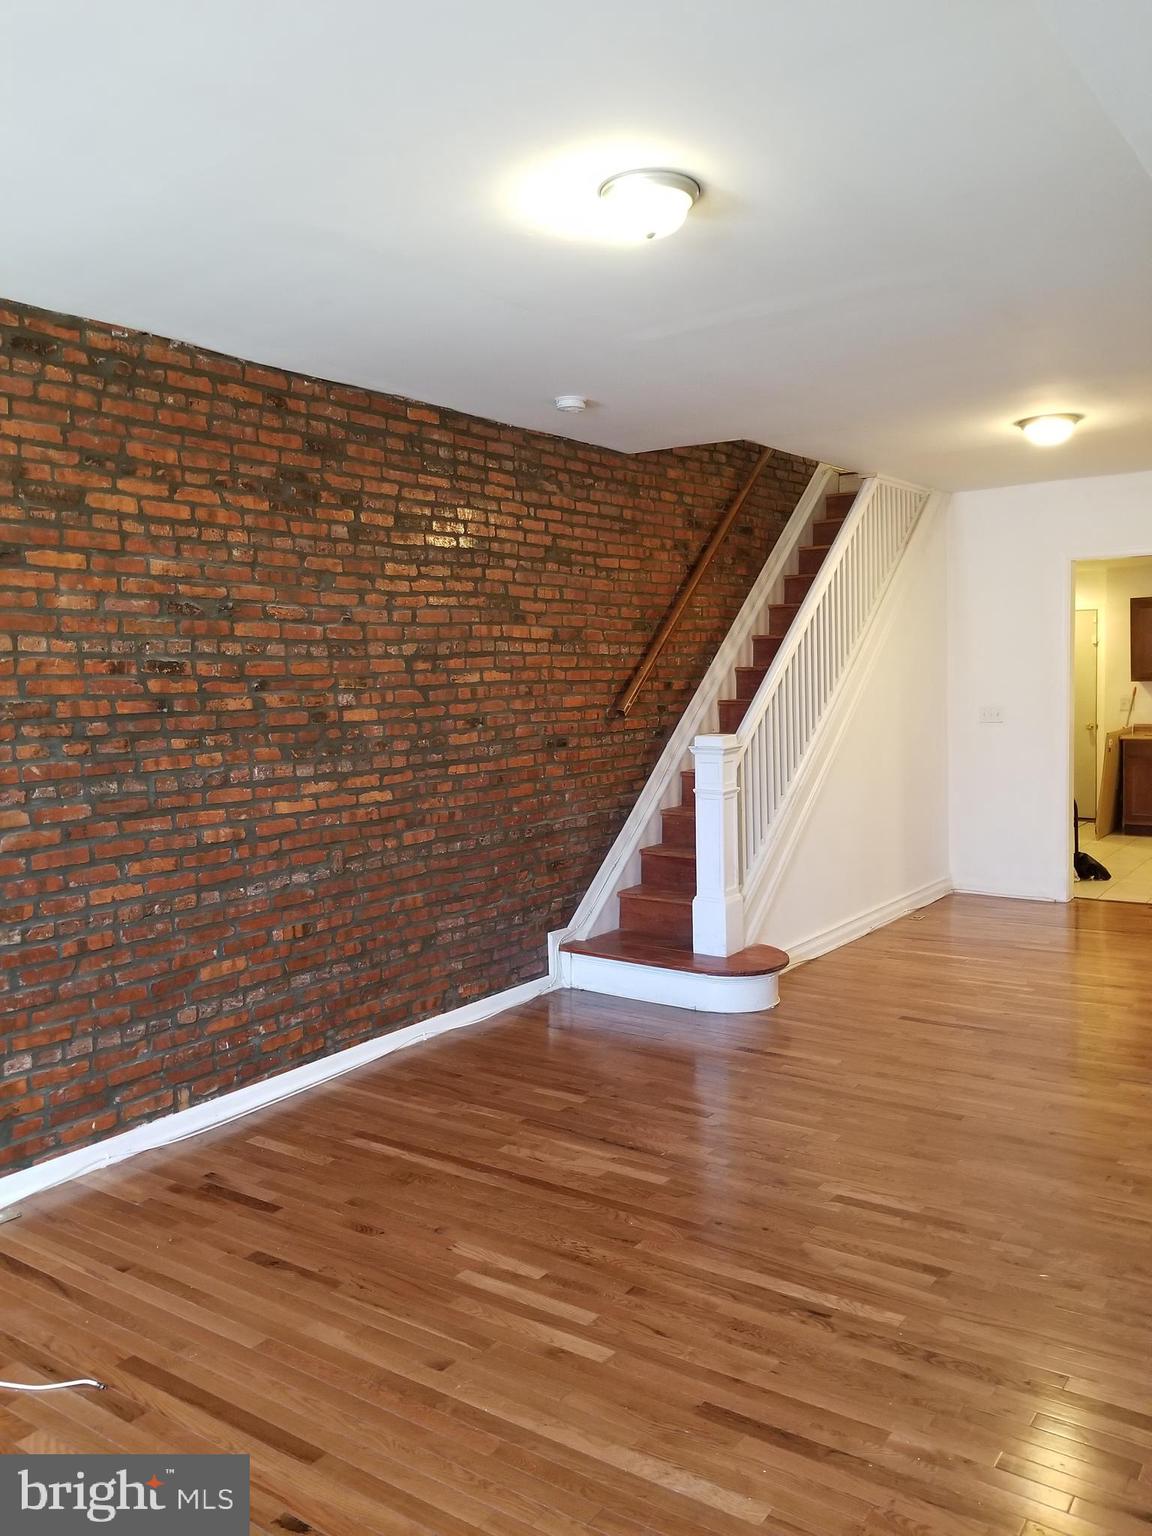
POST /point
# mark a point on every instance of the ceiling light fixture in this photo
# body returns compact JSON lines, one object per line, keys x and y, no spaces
{"x":647,"y":205}
{"x":1048,"y":431}
{"x":571,"y":402}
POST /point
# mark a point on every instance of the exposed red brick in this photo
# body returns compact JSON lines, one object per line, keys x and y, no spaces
{"x":305,"y":707}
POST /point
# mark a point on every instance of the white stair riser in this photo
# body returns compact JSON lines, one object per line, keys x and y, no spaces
{"x":675,"y":989}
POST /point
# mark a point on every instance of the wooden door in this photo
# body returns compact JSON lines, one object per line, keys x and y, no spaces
{"x":1084,"y":713}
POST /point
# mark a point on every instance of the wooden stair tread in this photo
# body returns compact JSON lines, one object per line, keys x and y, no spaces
{"x":638,"y":949}
{"x":825,"y":529}
{"x":661,"y":912}
{"x":678,"y":825}
{"x":764,"y":648}
{"x":658,"y":893}
{"x":748,"y":680}
{"x":731,"y":713}
{"x":839,"y":503}
{"x":668,"y":867}
{"x":780,"y":617}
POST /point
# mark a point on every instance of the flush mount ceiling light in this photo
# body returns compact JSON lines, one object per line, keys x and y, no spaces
{"x":647,"y":205}
{"x":1048,"y":431}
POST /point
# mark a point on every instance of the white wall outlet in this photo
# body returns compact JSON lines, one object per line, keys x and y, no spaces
{"x":991,"y":714}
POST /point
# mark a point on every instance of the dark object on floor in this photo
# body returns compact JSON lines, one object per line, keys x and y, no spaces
{"x":1086,"y":867}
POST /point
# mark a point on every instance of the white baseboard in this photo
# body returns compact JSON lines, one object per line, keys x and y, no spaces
{"x":982,"y":890}
{"x":673,"y":989}
{"x":243,"y":1101}
{"x":864,"y":922}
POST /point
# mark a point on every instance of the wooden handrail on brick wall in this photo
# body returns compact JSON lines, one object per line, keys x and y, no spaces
{"x":628,"y":694}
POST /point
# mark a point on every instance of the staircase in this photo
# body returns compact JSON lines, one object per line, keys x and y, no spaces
{"x":656,"y":915}
{"x":710,"y":843}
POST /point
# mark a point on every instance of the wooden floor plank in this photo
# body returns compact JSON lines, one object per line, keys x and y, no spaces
{"x":873,"y":1264}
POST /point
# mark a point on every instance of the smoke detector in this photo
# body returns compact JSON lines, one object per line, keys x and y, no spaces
{"x":571,"y":403}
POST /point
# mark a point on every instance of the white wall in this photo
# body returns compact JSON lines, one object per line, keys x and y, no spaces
{"x":1010,"y":645}
{"x":875,"y":838}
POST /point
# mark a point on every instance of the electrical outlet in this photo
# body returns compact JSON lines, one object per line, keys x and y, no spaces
{"x":991,"y":714}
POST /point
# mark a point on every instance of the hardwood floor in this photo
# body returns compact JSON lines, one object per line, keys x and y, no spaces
{"x":875,"y":1264}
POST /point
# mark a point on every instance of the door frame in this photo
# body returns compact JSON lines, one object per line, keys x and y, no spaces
{"x":1097,"y":615}
{"x":1113,"y":557}
{"x":1069,"y":716}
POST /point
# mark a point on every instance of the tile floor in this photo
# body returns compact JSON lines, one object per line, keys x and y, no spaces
{"x":1129,"y":861}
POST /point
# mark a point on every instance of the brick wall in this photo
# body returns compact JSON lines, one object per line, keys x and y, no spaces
{"x":305,"y":694}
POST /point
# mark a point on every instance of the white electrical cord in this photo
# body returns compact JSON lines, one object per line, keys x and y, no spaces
{"x":51,"y":1386}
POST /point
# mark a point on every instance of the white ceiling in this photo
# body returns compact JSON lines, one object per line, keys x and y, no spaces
{"x":922,"y":218}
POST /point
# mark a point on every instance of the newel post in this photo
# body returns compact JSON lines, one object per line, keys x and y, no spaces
{"x":718,"y":910}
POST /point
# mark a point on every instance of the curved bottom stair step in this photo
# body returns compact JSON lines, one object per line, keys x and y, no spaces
{"x":648,"y":969}
{"x":756,"y":960}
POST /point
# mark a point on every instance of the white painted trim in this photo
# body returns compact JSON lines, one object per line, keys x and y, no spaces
{"x":672,"y":989}
{"x":865,"y":922}
{"x":718,"y":906}
{"x":244,"y":1101}
{"x":904,"y":485}
{"x":1001,"y":895}
{"x":621,"y":866}
{"x":761,"y":883}
{"x":556,"y":956}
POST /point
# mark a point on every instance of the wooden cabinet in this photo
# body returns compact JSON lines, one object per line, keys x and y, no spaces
{"x":1136,"y":778}
{"x":1142,"y":639}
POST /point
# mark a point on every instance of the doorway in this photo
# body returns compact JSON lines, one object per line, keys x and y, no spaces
{"x":1111,"y":727}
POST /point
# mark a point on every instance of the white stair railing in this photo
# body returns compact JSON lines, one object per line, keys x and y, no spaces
{"x":743,"y":781}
